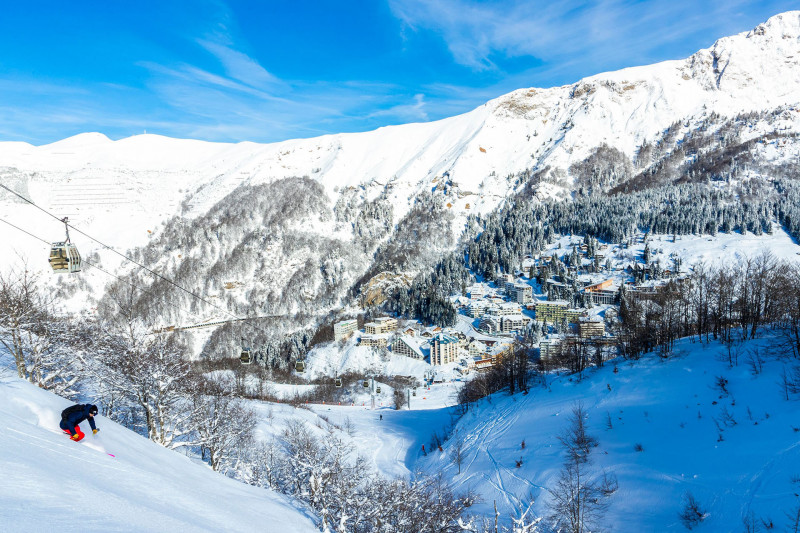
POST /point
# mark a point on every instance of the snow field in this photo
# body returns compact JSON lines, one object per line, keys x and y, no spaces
{"x":391,"y":444}
{"x":50,"y":483}
{"x":671,"y":409}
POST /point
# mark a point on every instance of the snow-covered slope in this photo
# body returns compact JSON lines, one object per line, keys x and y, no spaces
{"x":50,"y":483}
{"x":121,"y":191}
{"x":664,"y":428}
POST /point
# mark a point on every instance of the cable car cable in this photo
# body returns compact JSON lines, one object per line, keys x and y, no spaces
{"x":236,"y":318}
{"x":121,"y":254}
{"x":96,"y":266}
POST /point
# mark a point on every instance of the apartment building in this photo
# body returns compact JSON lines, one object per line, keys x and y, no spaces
{"x":444,"y":349}
{"x":344,"y":328}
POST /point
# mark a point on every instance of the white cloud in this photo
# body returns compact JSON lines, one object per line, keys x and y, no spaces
{"x":480,"y":34}
{"x":405,"y":112}
{"x":239,"y":65}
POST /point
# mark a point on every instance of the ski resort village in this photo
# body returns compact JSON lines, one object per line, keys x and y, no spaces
{"x":481,"y":308}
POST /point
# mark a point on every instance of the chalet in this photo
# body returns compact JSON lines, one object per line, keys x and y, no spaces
{"x":480,"y":362}
{"x":499,"y":351}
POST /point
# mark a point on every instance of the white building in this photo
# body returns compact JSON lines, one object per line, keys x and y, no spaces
{"x":476,"y":291}
{"x":476,"y":347}
{"x":522,"y":293}
{"x":381,"y":325}
{"x":408,"y":346}
{"x":344,"y":328}
{"x":591,"y":327}
{"x":444,"y":349}
{"x":513,"y":323}
{"x":504,"y":309}
{"x":477,"y":308}
{"x":489,"y":324}
{"x":550,"y":347}
{"x":376,"y":341}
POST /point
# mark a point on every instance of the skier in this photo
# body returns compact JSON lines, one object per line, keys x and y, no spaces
{"x":71,"y":417}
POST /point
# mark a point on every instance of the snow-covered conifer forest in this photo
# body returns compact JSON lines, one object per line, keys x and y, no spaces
{"x":570,"y":309}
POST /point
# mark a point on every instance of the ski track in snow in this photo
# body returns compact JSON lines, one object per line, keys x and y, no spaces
{"x":27,"y":440}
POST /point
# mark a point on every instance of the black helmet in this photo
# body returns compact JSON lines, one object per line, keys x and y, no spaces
{"x":93,"y":409}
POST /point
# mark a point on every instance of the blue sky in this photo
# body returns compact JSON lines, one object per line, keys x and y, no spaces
{"x":267,"y":71}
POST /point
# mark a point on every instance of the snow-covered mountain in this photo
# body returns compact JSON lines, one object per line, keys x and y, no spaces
{"x":282,"y":244}
{"x":51,"y":483}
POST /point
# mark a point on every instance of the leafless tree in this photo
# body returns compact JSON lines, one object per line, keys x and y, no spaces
{"x":224,"y":425}
{"x":578,"y":500}
{"x":36,"y":338}
{"x":457,"y":452}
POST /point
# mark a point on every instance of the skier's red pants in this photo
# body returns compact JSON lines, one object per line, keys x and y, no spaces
{"x":78,"y":432}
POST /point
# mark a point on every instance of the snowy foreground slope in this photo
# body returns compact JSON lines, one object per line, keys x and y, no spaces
{"x":50,"y":483}
{"x":750,"y":466}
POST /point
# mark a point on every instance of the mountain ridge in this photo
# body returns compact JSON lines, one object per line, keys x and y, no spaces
{"x":131,"y":192}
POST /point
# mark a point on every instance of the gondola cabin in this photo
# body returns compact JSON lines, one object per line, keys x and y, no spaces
{"x":246,"y":357}
{"x":366,"y":384}
{"x":338,"y":383}
{"x":64,"y":258}
{"x":377,"y":390}
{"x":300,"y":366}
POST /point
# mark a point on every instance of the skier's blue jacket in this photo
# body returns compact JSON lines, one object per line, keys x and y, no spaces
{"x":76,"y":417}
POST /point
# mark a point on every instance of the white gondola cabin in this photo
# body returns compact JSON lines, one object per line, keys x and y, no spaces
{"x":377,"y":390}
{"x":300,"y":366}
{"x":64,"y":258}
{"x":338,"y":383}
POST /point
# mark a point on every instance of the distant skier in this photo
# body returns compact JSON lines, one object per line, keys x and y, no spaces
{"x":71,"y":417}
{"x":381,"y":417}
